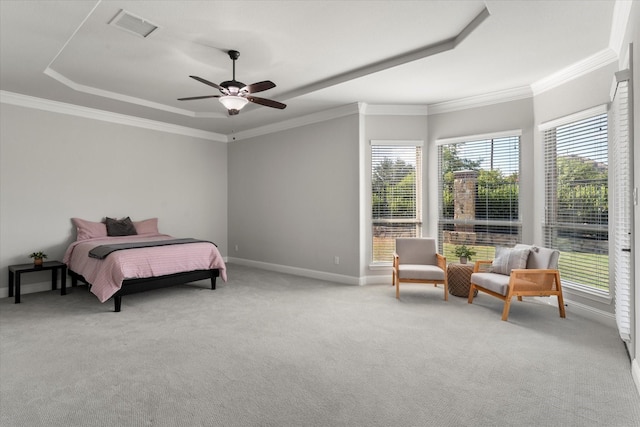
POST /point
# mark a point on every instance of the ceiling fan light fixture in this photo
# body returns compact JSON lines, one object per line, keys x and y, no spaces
{"x":233,"y":102}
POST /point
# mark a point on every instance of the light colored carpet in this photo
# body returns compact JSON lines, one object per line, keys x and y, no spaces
{"x":269,"y":349}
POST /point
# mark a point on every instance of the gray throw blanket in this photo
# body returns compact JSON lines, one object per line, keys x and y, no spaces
{"x":101,"y":252}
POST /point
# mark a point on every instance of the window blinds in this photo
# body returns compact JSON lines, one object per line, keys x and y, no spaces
{"x":622,"y":181}
{"x":479,"y":191}
{"x":396,"y":186}
{"x":576,"y":184}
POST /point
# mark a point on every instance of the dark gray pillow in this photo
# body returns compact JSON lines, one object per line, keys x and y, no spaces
{"x":509,"y":258}
{"x":120,"y":227}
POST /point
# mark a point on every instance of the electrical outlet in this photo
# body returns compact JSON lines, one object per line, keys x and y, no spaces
{"x":336,"y":260}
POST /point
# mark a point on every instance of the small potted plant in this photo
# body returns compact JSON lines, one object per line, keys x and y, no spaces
{"x":38,"y":258}
{"x":464,"y":253}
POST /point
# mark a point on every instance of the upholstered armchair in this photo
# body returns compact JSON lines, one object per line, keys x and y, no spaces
{"x":417,"y":261}
{"x":521,"y":271}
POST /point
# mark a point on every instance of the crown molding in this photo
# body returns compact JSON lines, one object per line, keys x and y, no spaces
{"x":498,"y":97}
{"x":105,"y":116}
{"x":619,"y":22}
{"x":333,"y":113}
{"x":126,"y":98}
{"x":580,"y":68}
{"x":321,"y":116}
{"x":393,"y":110}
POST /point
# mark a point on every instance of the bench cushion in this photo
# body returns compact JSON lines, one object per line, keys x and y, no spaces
{"x":495,"y":282}
{"x":420,"y":272}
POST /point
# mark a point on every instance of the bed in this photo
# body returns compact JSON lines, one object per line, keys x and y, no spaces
{"x":114,"y":263}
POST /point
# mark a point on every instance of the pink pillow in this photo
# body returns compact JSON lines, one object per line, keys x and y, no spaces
{"x":89,"y":229}
{"x":148,"y":226}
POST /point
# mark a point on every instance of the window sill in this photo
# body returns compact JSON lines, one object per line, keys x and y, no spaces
{"x":380,"y":266}
{"x":588,"y":292}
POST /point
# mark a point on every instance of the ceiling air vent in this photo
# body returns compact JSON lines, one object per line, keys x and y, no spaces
{"x":133,"y":24}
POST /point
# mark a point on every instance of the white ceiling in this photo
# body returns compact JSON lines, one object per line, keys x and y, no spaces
{"x":321,"y":54}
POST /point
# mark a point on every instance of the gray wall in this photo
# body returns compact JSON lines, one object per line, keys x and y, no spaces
{"x":293,"y":198}
{"x":55,"y":166}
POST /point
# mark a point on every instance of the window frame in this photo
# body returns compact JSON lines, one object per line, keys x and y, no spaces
{"x":417,"y":221}
{"x":550,"y":185}
{"x":517,"y":223}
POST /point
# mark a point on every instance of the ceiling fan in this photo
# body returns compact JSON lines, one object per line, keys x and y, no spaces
{"x":235,"y":94}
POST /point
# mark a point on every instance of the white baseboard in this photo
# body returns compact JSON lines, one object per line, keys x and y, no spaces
{"x":30,"y":288}
{"x":635,"y":372}
{"x":608,"y":319}
{"x":314,"y":274}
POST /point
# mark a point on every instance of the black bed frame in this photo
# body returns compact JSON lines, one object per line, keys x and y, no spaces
{"x":132,"y":286}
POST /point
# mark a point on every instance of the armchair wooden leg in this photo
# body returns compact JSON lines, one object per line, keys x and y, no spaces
{"x":472,"y":291}
{"x":398,"y":289}
{"x":507,"y":306}
{"x":561,"y":306}
{"x":446,"y":292}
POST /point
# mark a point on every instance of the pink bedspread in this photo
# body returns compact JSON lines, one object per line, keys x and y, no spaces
{"x":106,"y":275}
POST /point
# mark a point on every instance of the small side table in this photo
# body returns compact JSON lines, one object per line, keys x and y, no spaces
{"x":459,"y":278}
{"x":16,"y":270}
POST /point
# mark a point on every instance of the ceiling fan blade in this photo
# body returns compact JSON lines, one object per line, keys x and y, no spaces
{"x":267,"y":102}
{"x":259,"y":87}
{"x":198,"y":97}
{"x":207,"y":82}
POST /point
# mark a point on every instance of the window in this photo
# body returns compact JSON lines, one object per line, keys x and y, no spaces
{"x":576,"y":184}
{"x":396,"y":188}
{"x":479,"y":193}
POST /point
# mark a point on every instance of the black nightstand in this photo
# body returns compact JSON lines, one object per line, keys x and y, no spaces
{"x":54,"y":266}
